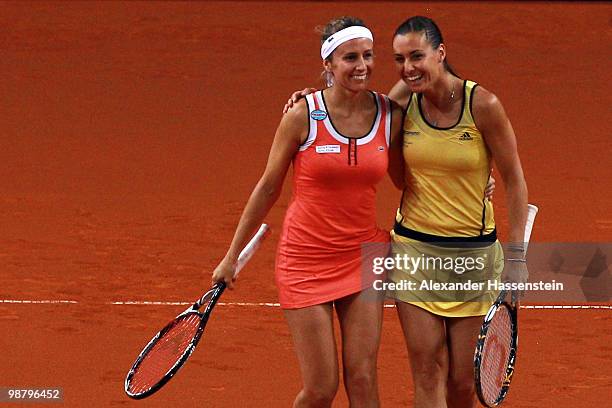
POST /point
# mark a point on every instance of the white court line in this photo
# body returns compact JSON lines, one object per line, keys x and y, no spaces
{"x":145,"y":303}
{"x":38,"y":301}
{"x":267,"y":304}
{"x":568,"y":307}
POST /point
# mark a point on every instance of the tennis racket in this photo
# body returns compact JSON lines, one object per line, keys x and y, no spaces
{"x":497,"y":343}
{"x":168,"y":350}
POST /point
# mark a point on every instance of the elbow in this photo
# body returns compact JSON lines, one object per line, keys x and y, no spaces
{"x":270,"y":191}
{"x":516,"y":186}
{"x":517,"y":181}
{"x":514,"y":178}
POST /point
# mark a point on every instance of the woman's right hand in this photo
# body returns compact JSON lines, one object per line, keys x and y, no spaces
{"x":490,"y":188}
{"x":296,"y":96}
{"x":224,"y":272}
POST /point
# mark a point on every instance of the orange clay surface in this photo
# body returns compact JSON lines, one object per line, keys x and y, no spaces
{"x":132,"y":133}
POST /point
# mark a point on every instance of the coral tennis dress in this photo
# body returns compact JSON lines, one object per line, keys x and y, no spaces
{"x":324,"y":251}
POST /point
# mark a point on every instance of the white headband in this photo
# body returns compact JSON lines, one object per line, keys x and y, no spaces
{"x":342,"y":36}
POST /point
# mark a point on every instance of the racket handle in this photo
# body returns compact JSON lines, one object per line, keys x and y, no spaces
{"x":251,"y":247}
{"x":532,"y":211}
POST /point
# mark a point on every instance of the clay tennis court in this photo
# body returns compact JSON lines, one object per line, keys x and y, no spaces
{"x":131,"y":135}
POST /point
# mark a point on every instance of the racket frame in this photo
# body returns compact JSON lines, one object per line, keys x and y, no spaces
{"x":214,"y":293}
{"x":211,"y":297}
{"x":482,"y":337}
{"x":532,"y":211}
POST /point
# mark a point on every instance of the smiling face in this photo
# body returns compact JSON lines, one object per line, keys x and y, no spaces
{"x":351,"y":64}
{"x":418,"y":64}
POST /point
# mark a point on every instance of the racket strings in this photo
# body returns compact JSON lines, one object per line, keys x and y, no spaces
{"x":164,"y":354}
{"x":495,"y":355}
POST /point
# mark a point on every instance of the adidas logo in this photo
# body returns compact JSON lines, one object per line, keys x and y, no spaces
{"x":466,"y":136}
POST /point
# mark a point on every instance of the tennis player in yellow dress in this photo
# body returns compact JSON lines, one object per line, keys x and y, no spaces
{"x":453,"y":131}
{"x":445,"y":222}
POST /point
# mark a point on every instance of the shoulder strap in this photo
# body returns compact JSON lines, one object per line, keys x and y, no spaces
{"x":312,"y":124}
{"x":471,"y":87}
{"x":386,"y":106}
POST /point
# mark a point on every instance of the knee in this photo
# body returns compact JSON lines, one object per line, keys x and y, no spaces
{"x":363,"y":378}
{"x":462,"y":387}
{"x":461,"y":392}
{"x":320,"y":396}
{"x":429,"y":373}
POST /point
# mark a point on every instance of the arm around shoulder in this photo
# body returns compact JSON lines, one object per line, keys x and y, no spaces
{"x":396,"y":144}
{"x":400,"y":93}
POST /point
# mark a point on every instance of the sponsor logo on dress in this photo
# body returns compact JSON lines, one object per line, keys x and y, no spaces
{"x":318,"y":114}
{"x":381,"y":148}
{"x":466,"y":136}
{"x":328,"y":149}
{"x":411,"y":133}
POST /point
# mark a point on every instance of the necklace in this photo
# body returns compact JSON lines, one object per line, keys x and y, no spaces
{"x":451,"y":98}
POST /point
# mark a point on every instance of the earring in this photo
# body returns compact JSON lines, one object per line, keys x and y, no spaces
{"x":329,"y":79}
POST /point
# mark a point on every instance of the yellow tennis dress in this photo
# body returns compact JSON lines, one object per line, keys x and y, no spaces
{"x":444,"y":239}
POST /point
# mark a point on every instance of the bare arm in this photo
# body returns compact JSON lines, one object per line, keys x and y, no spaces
{"x":396,"y":145}
{"x":492,"y":121}
{"x":400,"y":93}
{"x":290,"y":134}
